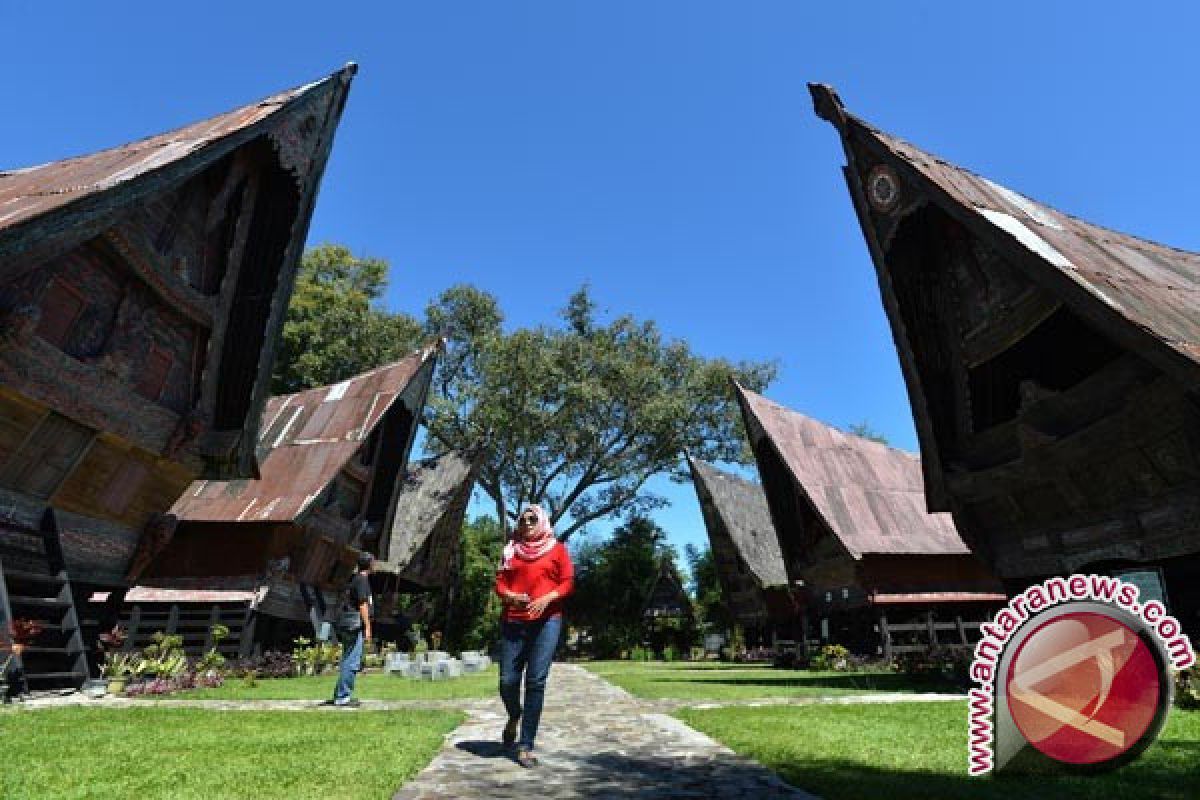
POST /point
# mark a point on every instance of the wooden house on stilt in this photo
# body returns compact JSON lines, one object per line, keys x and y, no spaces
{"x":667,"y":614}
{"x":333,"y":462}
{"x":880,"y":574}
{"x":141,"y":292}
{"x":745,"y":549}
{"x":1053,"y":368}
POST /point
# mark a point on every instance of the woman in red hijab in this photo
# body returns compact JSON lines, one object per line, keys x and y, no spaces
{"x":535,"y":575}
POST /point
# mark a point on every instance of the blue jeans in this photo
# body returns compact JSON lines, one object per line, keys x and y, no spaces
{"x":527,"y":647}
{"x":352,"y":653}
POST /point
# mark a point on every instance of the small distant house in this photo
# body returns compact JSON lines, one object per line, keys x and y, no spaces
{"x":879,"y":572}
{"x":667,"y":616}
{"x":142,"y":289}
{"x":745,"y":549}
{"x":1053,"y":368}
{"x":667,"y":598}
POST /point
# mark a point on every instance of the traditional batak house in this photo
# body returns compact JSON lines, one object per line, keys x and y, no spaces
{"x":667,"y":615}
{"x":745,"y":548}
{"x":141,"y":292}
{"x":280,"y":546}
{"x":419,"y":552}
{"x":1053,"y":368}
{"x":881,"y":575}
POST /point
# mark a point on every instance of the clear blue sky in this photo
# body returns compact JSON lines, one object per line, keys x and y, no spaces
{"x":664,"y":152}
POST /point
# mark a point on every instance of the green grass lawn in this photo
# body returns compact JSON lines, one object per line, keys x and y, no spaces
{"x":190,"y":753}
{"x":371,"y":686}
{"x":918,"y":750}
{"x":703,"y":681}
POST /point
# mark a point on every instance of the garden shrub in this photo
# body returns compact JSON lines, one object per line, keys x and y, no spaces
{"x":831,"y":657}
{"x":951,"y":664}
{"x":1187,"y":688}
{"x":271,"y":664}
{"x":640,"y":653}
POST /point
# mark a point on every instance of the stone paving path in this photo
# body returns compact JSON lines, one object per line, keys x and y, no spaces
{"x":595,"y":741}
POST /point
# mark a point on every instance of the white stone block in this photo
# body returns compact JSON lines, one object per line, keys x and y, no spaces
{"x":452,"y":668}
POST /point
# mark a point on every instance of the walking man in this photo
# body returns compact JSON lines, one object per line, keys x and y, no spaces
{"x":354,"y":630}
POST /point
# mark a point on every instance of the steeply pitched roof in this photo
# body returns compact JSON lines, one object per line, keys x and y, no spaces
{"x":77,"y":185}
{"x":422,"y":539}
{"x":666,"y":596}
{"x":1132,"y":285}
{"x":307,"y":437}
{"x":276,"y":151}
{"x":870,"y":495}
{"x":736,"y":510}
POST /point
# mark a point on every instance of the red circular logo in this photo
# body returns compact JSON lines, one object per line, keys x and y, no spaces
{"x":1083,"y":688}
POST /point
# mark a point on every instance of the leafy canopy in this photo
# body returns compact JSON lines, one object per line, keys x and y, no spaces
{"x":334,"y":328}
{"x":576,"y":416}
{"x":580,"y":415}
{"x":613,"y":583}
{"x":706,"y":586}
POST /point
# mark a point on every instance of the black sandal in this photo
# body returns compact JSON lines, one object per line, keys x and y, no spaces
{"x":526,"y":758}
{"x":509,"y":736}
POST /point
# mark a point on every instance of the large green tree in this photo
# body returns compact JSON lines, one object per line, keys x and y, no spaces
{"x":576,"y":416}
{"x":613,"y":580}
{"x":579,"y":416}
{"x":474,"y":618}
{"x":335,"y":327}
{"x":706,"y":587}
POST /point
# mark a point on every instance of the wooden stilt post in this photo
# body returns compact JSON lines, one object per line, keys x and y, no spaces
{"x":246,"y":643}
{"x":135,"y":622}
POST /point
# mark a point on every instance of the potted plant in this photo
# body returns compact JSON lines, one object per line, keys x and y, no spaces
{"x":109,"y":643}
{"x":117,"y":669}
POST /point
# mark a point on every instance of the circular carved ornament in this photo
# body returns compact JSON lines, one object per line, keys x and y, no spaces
{"x":883,"y":188}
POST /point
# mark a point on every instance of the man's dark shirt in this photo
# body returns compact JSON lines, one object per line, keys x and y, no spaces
{"x":357,"y":592}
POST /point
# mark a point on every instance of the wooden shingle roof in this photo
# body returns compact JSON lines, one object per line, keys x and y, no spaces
{"x":422,"y":538}
{"x":735,"y":511}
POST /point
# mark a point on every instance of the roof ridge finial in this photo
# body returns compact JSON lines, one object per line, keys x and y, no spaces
{"x":827,"y":103}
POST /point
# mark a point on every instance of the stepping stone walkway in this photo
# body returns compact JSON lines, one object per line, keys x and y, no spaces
{"x":595,"y":741}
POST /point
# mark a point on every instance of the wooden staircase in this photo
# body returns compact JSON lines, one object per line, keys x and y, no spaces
{"x":34,"y":585}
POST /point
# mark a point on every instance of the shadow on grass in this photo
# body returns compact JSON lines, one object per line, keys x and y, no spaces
{"x":1172,"y":773}
{"x":1147,"y":778}
{"x":881,"y":681}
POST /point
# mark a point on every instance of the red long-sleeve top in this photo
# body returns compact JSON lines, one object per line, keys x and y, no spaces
{"x":552,"y":572}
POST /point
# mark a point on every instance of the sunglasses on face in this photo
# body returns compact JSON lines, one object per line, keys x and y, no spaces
{"x":529,"y":519}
